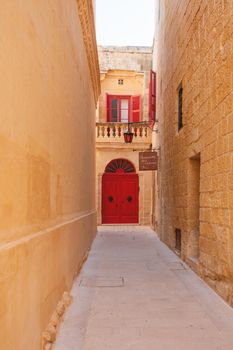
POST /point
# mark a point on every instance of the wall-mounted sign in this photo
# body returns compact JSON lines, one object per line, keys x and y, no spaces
{"x":148,"y":161}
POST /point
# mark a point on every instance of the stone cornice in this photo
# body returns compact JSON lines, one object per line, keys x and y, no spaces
{"x":86,"y":15}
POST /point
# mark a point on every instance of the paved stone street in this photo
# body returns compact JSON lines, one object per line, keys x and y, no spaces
{"x":135,"y":294}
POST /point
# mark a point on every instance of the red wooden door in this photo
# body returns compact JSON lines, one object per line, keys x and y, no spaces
{"x":120,"y":198}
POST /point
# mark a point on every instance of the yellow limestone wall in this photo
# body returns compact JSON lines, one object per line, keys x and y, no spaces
{"x":47,"y":163}
{"x":194,"y":41}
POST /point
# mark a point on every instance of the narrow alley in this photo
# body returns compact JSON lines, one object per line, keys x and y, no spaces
{"x":116,"y":175}
{"x":133,"y":293}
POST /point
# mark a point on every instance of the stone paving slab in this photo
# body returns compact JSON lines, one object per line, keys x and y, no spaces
{"x":133,"y":293}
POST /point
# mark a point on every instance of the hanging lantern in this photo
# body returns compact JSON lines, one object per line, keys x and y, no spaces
{"x":128,"y":136}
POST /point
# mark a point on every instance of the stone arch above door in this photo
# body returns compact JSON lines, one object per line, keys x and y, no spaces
{"x":120,"y":165}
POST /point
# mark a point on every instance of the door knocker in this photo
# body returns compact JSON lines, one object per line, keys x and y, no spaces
{"x":129,"y":199}
{"x":110,"y":199}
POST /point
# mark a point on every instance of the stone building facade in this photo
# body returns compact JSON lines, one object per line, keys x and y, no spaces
{"x":194,"y":63}
{"x":49,"y":89}
{"x":124,"y":74}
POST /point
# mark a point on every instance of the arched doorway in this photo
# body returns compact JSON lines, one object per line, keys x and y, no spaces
{"x":120,"y":188}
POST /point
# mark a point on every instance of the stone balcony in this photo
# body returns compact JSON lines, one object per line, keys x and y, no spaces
{"x":112,"y":135}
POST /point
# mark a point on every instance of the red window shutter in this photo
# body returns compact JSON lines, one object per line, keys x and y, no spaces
{"x":108,"y":109}
{"x":152,"y":96}
{"x":136,"y":109}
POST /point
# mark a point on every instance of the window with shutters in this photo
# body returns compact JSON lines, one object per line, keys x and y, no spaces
{"x":123,"y":109}
{"x":152,"y":96}
{"x":180,"y":107}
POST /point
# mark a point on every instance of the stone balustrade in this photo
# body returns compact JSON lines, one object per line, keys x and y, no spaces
{"x":114,"y":132}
